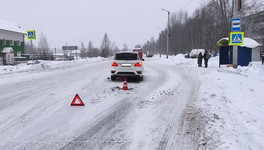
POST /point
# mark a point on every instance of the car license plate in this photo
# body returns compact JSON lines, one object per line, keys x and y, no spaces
{"x":126,"y":65}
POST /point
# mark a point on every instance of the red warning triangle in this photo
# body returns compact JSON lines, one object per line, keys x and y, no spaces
{"x":77,"y":101}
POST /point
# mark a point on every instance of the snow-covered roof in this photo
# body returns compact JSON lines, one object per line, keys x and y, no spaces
{"x":76,"y":51}
{"x":248,"y":42}
{"x":9,"y":26}
{"x":7,"y":50}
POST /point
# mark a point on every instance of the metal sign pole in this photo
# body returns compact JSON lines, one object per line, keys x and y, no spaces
{"x":31,"y":49}
{"x":235,"y":47}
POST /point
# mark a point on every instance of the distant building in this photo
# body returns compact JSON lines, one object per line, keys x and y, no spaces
{"x":11,"y":42}
{"x":254,"y":26}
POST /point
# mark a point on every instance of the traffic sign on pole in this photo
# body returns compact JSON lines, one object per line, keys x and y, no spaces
{"x":236,"y":24}
{"x":31,"y":35}
{"x":236,"y":38}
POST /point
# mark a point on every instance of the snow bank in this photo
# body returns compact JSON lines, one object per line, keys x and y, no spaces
{"x":229,"y":108}
{"x":45,"y":65}
{"x":172,"y":60}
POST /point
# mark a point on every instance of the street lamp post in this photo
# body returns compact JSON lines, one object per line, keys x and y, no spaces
{"x":167,"y":31}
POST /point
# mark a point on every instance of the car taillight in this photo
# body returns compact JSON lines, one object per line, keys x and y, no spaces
{"x":139,"y":64}
{"x":114,"y":64}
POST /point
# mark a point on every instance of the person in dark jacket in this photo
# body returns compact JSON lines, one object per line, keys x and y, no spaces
{"x":262,"y":57}
{"x":200,"y":59}
{"x":206,"y":58}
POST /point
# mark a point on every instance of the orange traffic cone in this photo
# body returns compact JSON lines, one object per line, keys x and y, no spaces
{"x":125,"y":85}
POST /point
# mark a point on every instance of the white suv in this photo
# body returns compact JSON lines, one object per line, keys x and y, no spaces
{"x":127,"y":64}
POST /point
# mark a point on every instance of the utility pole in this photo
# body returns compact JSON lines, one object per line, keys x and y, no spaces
{"x":168,"y":34}
{"x":55,"y":53}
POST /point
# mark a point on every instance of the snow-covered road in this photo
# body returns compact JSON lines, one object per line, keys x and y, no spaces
{"x":38,"y":115}
{"x":177,"y":106}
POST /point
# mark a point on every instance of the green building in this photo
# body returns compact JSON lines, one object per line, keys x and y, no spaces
{"x":11,"y":42}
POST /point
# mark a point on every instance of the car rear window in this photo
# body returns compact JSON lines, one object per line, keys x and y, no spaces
{"x":126,"y":56}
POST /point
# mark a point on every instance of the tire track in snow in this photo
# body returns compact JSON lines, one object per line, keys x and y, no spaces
{"x":119,"y":111}
{"x":25,"y":117}
{"x":176,"y":135}
{"x":164,"y":104}
{"x":21,"y":91}
{"x":113,"y":119}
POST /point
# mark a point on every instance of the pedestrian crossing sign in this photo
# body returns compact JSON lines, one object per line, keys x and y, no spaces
{"x":31,"y":35}
{"x":236,"y":38}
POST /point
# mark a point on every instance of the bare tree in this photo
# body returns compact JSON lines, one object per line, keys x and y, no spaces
{"x":251,"y":7}
{"x":29,"y":49}
{"x":43,"y":47}
{"x":208,"y":24}
{"x":83,"y":51}
{"x":125,"y":48}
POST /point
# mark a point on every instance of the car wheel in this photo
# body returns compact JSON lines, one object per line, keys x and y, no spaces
{"x":113,"y":78}
{"x":140,"y":78}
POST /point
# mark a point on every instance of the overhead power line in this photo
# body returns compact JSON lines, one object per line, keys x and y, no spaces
{"x":186,"y":4}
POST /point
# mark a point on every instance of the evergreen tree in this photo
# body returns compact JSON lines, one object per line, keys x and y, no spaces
{"x":83,"y":51}
{"x":125,"y":48}
{"x":105,"y":46}
{"x":90,"y":49}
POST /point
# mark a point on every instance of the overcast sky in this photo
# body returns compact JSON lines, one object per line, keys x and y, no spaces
{"x":72,"y":21}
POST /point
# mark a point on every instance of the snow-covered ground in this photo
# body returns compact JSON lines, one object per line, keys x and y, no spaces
{"x":230,"y":106}
{"x":46,"y":65}
{"x":177,"y":106}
